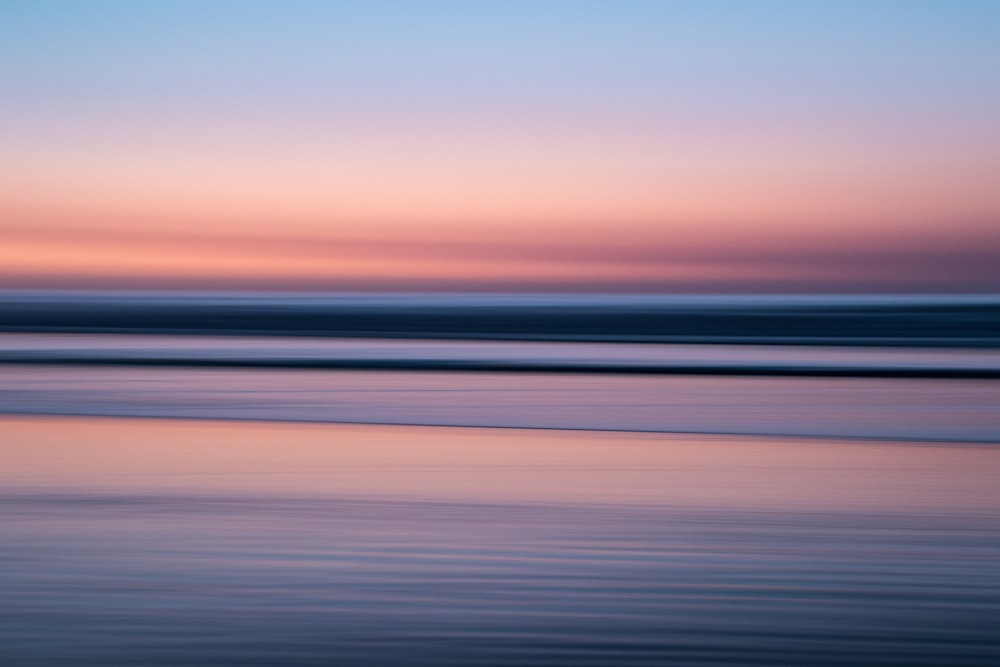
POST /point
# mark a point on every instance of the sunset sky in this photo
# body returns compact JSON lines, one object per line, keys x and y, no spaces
{"x":507,"y":145}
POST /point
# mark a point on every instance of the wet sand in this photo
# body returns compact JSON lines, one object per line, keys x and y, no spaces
{"x":172,"y":542}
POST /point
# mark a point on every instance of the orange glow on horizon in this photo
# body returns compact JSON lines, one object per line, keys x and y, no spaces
{"x":674,"y":213}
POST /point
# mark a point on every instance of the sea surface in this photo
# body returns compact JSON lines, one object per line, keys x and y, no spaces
{"x":892,"y":392}
{"x":230,"y":495}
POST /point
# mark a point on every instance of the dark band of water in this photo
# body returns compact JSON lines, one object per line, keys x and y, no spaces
{"x":511,"y":367}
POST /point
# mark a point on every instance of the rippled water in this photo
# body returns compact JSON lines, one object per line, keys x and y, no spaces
{"x":148,"y":542}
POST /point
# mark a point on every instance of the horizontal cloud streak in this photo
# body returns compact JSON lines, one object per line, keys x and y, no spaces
{"x":110,"y":257}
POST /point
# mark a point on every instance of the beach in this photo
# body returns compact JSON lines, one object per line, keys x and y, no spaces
{"x":171,"y":542}
{"x":557,"y":495}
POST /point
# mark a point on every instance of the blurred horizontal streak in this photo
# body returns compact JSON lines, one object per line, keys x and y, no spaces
{"x":960,"y":320}
{"x":637,"y":243}
{"x":507,"y":367}
{"x":845,"y":407}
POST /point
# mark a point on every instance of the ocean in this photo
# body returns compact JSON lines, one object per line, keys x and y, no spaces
{"x":499,"y":480}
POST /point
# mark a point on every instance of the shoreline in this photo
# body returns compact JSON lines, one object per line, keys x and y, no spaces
{"x":708,"y":435}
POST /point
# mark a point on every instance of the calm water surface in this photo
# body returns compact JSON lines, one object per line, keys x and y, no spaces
{"x":922,"y":409}
{"x":153,"y":542}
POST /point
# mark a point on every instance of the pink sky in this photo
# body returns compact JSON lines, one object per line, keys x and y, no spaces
{"x":811,"y":150}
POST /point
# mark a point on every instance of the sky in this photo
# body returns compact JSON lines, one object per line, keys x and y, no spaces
{"x":510,"y":145}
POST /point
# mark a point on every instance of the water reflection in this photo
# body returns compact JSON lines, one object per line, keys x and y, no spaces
{"x":495,"y":465}
{"x":141,"y":542}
